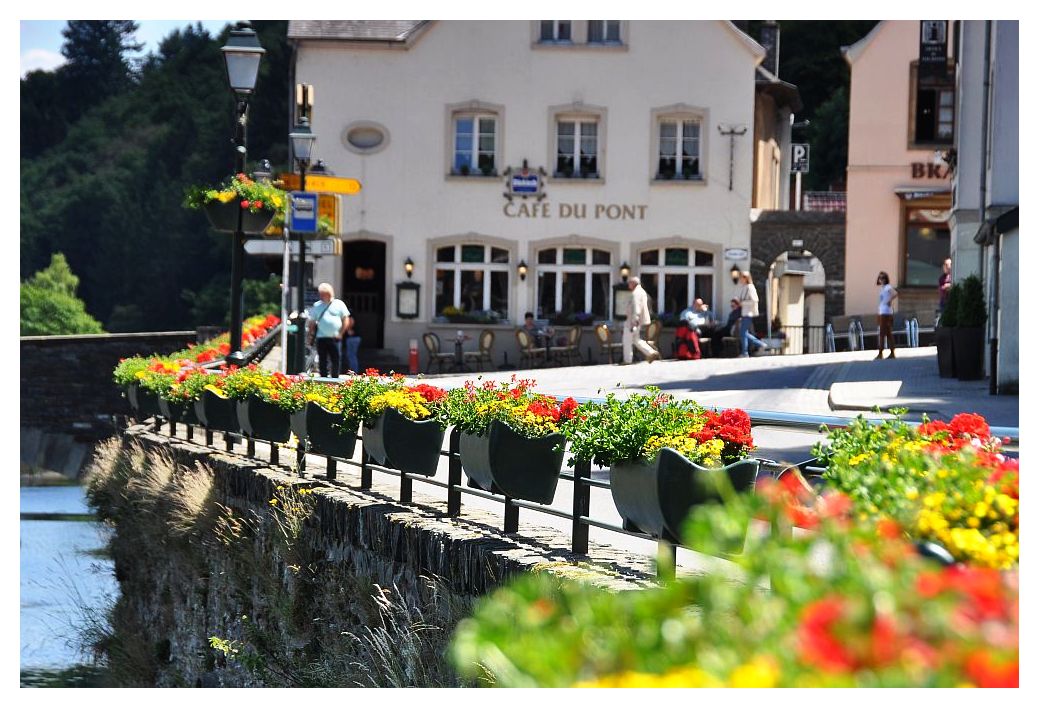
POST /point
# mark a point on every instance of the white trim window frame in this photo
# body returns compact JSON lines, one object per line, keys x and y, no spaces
{"x":680,"y":150}
{"x":475,"y":150}
{"x":553,"y":31}
{"x":604,"y":32}
{"x":661,"y":271}
{"x":560,"y":269}
{"x":460,"y":269}
{"x":578,"y":147}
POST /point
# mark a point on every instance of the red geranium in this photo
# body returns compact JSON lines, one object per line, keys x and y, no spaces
{"x":432,"y":394}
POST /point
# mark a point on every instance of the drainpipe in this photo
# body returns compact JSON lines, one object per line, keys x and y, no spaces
{"x":983,"y":174}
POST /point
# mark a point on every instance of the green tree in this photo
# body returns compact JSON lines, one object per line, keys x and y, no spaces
{"x":49,"y":304}
{"x":98,"y":67}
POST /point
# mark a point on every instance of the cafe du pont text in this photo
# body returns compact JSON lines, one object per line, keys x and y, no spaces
{"x":546,"y":210}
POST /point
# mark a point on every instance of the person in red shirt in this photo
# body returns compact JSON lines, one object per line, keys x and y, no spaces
{"x":687,"y":341}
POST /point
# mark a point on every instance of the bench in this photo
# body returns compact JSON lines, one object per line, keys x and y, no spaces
{"x":854,"y":329}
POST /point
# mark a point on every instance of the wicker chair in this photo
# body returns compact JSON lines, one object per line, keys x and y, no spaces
{"x":432,"y":342}
{"x":653,"y":334}
{"x":483,"y":353}
{"x":602,"y":333}
{"x":528,"y":352}
{"x":568,"y":351}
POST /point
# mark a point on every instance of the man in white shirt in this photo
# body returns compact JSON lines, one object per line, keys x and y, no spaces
{"x":329,"y":319}
{"x":637,"y":318}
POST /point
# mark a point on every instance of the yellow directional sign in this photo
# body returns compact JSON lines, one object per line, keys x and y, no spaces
{"x":322,"y":183}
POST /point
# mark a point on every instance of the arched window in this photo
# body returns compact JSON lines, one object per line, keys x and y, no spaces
{"x":573,"y":281}
{"x":472,"y":277}
{"x":674,"y":276}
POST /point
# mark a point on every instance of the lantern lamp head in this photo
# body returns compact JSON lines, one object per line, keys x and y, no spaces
{"x":522,"y":270}
{"x":409,"y":266}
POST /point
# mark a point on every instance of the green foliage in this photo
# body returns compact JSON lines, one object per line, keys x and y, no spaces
{"x":49,"y":304}
{"x":950,"y":317}
{"x":211,"y":304}
{"x":970,"y":308}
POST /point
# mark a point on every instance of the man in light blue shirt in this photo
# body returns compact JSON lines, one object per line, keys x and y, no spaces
{"x":329,"y":318}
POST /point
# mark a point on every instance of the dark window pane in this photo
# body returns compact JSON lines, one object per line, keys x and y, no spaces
{"x":445,"y":289}
{"x":649,"y":284}
{"x":676,"y":256}
{"x":595,"y":30}
{"x":676,"y":293}
{"x":546,"y":294}
{"x":703,"y":285}
{"x":500,"y":292}
{"x":613,"y":30}
{"x":564,"y":30}
{"x":704,"y":258}
{"x":499,"y":255}
{"x":574,"y":256}
{"x":650,"y":257}
{"x":600,"y":257}
{"x":547,"y":255}
{"x":472,"y":254}
{"x":446,"y":254}
{"x":573,"y":293}
{"x":472,"y":291}
{"x":600,"y":294}
{"x":926,"y":248}
{"x":547,"y":30}
{"x":925,"y":115}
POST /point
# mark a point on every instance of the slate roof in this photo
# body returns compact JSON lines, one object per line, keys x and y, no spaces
{"x":355,"y":30}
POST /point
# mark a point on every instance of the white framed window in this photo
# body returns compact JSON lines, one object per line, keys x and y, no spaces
{"x":556,"y":31}
{"x":471,"y":277}
{"x":573,"y":281}
{"x":577,"y":148}
{"x":604,"y":31}
{"x":679,"y":147}
{"x":674,"y":276}
{"x":475,"y":144}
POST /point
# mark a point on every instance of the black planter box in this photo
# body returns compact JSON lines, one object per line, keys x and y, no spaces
{"x":968,"y":344}
{"x":505,"y":462}
{"x":179,"y":411}
{"x":263,"y":421}
{"x":407,"y":445}
{"x":224,"y":217}
{"x":143,"y":402}
{"x":946,"y":357}
{"x":217,"y":413}
{"x":656,"y":496}
{"x":325,"y":432}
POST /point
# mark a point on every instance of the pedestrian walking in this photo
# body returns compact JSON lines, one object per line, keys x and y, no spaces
{"x":885,"y":315}
{"x":351,"y":343}
{"x":637,"y":318}
{"x":328,"y":321}
{"x":747,"y":294}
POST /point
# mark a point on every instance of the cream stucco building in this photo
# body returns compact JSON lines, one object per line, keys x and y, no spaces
{"x":641,"y":136}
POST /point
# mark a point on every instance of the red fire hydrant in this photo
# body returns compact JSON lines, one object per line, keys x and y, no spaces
{"x":413,"y":357}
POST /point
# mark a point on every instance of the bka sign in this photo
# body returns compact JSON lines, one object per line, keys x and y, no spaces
{"x":929,"y":170}
{"x":799,"y":157}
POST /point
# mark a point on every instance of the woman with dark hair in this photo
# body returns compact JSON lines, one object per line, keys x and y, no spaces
{"x":885,"y":315}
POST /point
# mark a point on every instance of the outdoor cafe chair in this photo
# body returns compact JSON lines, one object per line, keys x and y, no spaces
{"x":529,"y":353}
{"x":432,"y":342}
{"x":483,"y":353}
{"x":602,"y":333}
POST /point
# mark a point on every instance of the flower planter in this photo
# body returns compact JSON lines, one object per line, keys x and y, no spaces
{"x":217,"y":413}
{"x":179,"y":411}
{"x":144,"y":402}
{"x":326,"y":433}
{"x":224,"y":217}
{"x":262,"y":420}
{"x":505,"y":462}
{"x":968,"y":346}
{"x":656,"y":496}
{"x":946,"y":358}
{"x":407,"y":445}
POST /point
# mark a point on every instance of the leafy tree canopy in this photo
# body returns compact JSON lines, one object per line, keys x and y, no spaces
{"x":49,"y":304}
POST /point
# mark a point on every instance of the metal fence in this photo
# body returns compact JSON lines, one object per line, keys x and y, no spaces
{"x":804,"y":339}
{"x":580,"y":477}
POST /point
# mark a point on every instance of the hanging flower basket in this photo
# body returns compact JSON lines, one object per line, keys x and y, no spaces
{"x":262,"y":420}
{"x":505,"y":462}
{"x":407,"y":445}
{"x":224,"y":217}
{"x":178,"y":411}
{"x":326,"y":432}
{"x":217,"y":413}
{"x":655,"y":496}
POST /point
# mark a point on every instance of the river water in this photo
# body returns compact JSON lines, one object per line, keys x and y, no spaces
{"x":66,"y":579}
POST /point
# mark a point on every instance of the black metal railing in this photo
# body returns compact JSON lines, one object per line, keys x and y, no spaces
{"x":581,"y":477}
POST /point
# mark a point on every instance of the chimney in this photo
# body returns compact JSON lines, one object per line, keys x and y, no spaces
{"x":770,"y":41}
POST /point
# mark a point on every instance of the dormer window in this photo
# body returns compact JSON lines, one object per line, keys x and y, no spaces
{"x":604,"y":31}
{"x":555,"y":31}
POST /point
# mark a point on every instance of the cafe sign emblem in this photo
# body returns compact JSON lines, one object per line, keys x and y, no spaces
{"x":524,"y":182}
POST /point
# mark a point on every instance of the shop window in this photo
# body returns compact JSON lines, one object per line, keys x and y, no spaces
{"x":674,"y":285}
{"x":926,"y":246}
{"x":472,"y":278}
{"x":573,"y":282}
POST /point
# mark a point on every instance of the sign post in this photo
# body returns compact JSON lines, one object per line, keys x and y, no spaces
{"x":799,"y":154}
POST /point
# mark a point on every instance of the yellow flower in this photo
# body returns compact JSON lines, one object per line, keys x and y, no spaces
{"x":226,"y":195}
{"x":858,"y":458}
{"x":761,"y":672}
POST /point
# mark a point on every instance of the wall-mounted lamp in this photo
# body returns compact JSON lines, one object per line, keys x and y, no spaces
{"x":735,"y":273}
{"x":522,"y":270}
{"x":625,"y":271}
{"x":409,"y":266}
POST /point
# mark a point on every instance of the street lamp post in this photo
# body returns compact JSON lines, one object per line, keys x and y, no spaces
{"x":302,"y":144}
{"x":242,"y":55}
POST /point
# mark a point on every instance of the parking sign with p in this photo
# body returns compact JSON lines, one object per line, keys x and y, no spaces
{"x":799,"y":157}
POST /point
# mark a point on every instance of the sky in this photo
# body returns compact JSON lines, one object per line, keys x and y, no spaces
{"x":41,"y":40}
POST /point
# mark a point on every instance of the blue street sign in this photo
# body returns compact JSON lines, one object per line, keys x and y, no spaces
{"x":525,"y":183}
{"x":303,"y":212}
